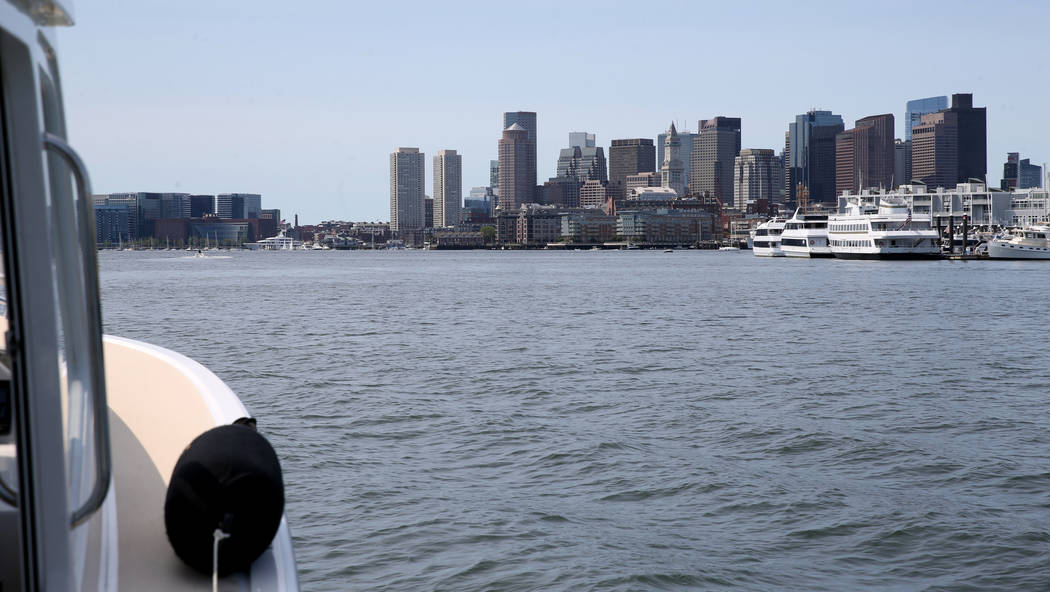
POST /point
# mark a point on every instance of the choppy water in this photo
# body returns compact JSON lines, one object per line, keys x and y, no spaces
{"x":630,"y":420}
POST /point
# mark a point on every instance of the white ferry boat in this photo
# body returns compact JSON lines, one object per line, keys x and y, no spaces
{"x":766,"y":242}
{"x":886,"y":231}
{"x":1032,"y":242}
{"x":123,"y":465}
{"x":281,"y":242}
{"x":806,"y":235}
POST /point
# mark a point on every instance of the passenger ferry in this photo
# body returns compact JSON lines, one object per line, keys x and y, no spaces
{"x":886,"y":231}
{"x":123,"y":465}
{"x":1031,"y":243}
{"x":766,"y":241}
{"x":806,"y":235}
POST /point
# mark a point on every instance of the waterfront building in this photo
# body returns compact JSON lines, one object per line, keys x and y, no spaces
{"x":448,"y":188}
{"x":582,"y":140}
{"x":200,"y":205}
{"x":428,"y":211}
{"x":630,"y":156}
{"x":671,"y":173}
{"x":810,"y":155}
{"x":112,"y":224}
{"x":537,"y":225}
{"x":127,"y":200}
{"x":1020,"y":174}
{"x":950,"y":146}
{"x":686,"y":141}
{"x":864,"y":155}
{"x":755,"y":177}
{"x":595,"y":193}
{"x":983,"y":205}
{"x":715,"y":149}
{"x":526,"y":120}
{"x":915,"y":109}
{"x":517,"y":172}
{"x":238,"y":205}
{"x":639,"y":180}
{"x":588,"y":226}
{"x":223,"y":232}
{"x":662,"y":226}
{"x":407,"y":200}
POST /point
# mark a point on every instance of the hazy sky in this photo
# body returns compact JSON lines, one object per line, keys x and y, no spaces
{"x":303,"y":101}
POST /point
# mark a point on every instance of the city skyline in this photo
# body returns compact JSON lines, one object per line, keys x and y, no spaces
{"x":214,"y":106}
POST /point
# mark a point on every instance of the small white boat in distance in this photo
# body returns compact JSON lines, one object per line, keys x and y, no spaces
{"x":1033,"y":242}
{"x":281,"y":242}
{"x":728,"y":248}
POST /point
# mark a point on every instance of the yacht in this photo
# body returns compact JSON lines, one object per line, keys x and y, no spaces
{"x":885,"y":231}
{"x":766,"y":241}
{"x":806,"y":235}
{"x":281,"y":242}
{"x":1032,"y":242}
{"x":106,"y":444}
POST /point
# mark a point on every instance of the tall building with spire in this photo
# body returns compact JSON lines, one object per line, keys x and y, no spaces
{"x":407,"y":170}
{"x":671,"y":168}
{"x":448,"y":188}
{"x":517,"y":168}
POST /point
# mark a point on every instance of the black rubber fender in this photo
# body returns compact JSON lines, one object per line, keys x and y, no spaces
{"x":229,"y":478}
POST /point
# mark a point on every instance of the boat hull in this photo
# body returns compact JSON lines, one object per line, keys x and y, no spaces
{"x":997,"y":250}
{"x":887,"y":256}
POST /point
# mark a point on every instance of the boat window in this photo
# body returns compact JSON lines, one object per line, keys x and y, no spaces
{"x":74,"y":307}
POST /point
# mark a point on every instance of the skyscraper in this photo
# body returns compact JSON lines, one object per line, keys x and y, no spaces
{"x":494,"y":176}
{"x":581,"y":140}
{"x":671,"y":169}
{"x":755,"y":177}
{"x":448,"y":188}
{"x":915,"y":109}
{"x":517,"y":168}
{"x":1020,"y":173}
{"x":811,"y":160}
{"x":864,"y":155}
{"x":582,"y":163}
{"x":527,"y":121}
{"x":238,"y":206}
{"x":201,"y":204}
{"x":407,"y":171}
{"x":950,"y":146}
{"x":901,"y":162}
{"x":715,"y":149}
{"x":630,"y":157}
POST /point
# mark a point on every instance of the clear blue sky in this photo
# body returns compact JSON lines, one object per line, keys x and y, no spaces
{"x":303,"y":101}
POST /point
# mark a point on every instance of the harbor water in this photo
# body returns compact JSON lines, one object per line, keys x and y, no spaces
{"x":634,"y":420}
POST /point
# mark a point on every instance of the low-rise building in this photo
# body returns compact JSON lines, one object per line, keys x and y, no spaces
{"x":664,"y":226}
{"x":588,"y":226}
{"x":537,"y":225}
